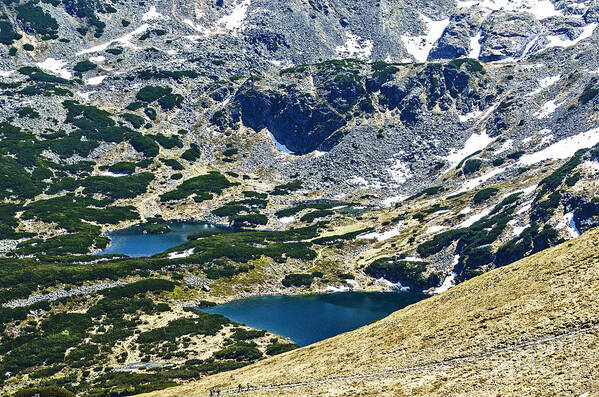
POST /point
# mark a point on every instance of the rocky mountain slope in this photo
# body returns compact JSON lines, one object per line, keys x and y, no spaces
{"x":526,"y":327}
{"x":373,"y":146}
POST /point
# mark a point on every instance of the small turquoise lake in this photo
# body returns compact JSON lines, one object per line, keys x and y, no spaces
{"x":133,"y":242}
{"x":306,"y":319}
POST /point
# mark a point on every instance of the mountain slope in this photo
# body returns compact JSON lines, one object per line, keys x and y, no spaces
{"x":522,"y":329}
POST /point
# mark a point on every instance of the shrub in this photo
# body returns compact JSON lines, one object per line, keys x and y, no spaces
{"x":8,"y":35}
{"x":151,"y":93}
{"x":298,"y":280}
{"x":239,"y":352}
{"x":201,"y":186}
{"x":84,"y":66}
{"x":278,"y":348}
{"x":471,"y":166}
{"x":484,"y":194}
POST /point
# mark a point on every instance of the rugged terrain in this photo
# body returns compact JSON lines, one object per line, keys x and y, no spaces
{"x":380,"y":145}
{"x":529,"y":328}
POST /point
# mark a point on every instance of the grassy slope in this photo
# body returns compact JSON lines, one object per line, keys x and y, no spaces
{"x":474,"y":339}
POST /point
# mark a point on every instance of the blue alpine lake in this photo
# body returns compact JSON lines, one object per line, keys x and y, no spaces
{"x":306,"y":319}
{"x":133,"y":242}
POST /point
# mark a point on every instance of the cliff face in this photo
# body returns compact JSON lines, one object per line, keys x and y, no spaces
{"x":525,"y":329}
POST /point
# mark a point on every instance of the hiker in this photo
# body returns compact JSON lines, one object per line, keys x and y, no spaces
{"x":212,"y":392}
{"x":249,"y":386}
{"x":239,"y":388}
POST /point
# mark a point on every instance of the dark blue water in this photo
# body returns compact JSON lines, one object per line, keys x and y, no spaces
{"x":133,"y":242}
{"x":306,"y":319}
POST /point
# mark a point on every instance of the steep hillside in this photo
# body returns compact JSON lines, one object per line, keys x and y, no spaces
{"x":529,"y":328}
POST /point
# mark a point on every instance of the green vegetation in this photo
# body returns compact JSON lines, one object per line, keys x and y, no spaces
{"x":34,"y":18}
{"x":281,"y":190}
{"x":118,"y":187}
{"x":408,"y":273}
{"x":471,"y":166}
{"x":199,"y":187}
{"x":300,"y":279}
{"x":84,"y":66}
{"x":7,"y":34}
{"x":484,"y":194}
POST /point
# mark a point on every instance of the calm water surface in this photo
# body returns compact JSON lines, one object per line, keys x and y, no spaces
{"x":306,"y":319}
{"x":133,"y":242}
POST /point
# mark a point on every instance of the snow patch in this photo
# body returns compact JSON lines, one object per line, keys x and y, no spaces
{"x":382,"y":236}
{"x":547,"y":110}
{"x":473,"y":144}
{"x":287,"y":219}
{"x":183,"y":254}
{"x":355,"y":47}
{"x":56,"y":67}
{"x":468,"y":116}
{"x":98,"y":59}
{"x":447,"y":283}
{"x":153,"y":14}
{"x":558,"y":41}
{"x":331,"y":289}
{"x":475,"y":45}
{"x":475,"y":182}
{"x":541,"y":9}
{"x":84,"y":95}
{"x":390,"y":201}
{"x":125,"y":41}
{"x":591,"y":164}
{"x":568,"y":223}
{"x":6,"y":73}
{"x":563,"y":149}
{"x":475,"y":218}
{"x":108,"y":173}
{"x":507,"y":145}
{"x":420,"y":46}
{"x":234,"y":21}
{"x":95,"y":80}
{"x":435,"y":229}
{"x":400,"y":172}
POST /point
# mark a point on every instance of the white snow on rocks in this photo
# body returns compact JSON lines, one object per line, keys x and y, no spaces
{"x":183,"y":254}
{"x":400,"y":172}
{"x":544,"y":83}
{"x":517,"y":230}
{"x":6,"y":73}
{"x":591,"y":164}
{"x":420,"y":46}
{"x":558,"y":41}
{"x":568,"y":223}
{"x":355,"y":47}
{"x":473,"y":144}
{"x":84,"y":95}
{"x":447,"y":283}
{"x":382,"y":236}
{"x":539,"y":8}
{"x":153,"y":14}
{"x":125,"y":41}
{"x":563,"y":149}
{"x":234,"y":21}
{"x":98,"y":59}
{"x":435,"y":229}
{"x":95,"y":80}
{"x":468,"y":116}
{"x":475,"y":45}
{"x":279,"y":145}
{"x":547,"y":109}
{"x":56,"y":67}
{"x":287,"y":219}
{"x":507,"y":145}
{"x":475,"y":218}
{"x":476,"y":182}
{"x":390,"y":201}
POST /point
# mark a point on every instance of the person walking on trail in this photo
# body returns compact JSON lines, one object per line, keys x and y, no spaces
{"x":239,"y":388}
{"x":249,"y":386}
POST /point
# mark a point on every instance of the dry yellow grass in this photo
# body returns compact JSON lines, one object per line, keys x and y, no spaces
{"x":530,"y":328}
